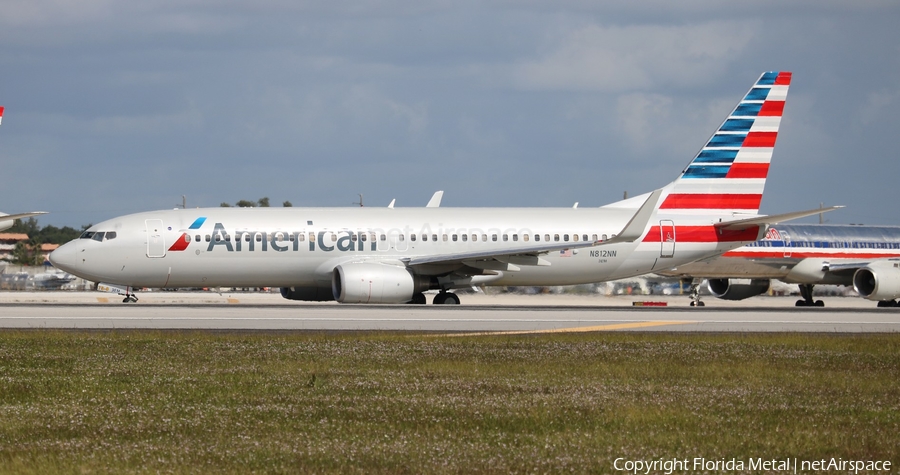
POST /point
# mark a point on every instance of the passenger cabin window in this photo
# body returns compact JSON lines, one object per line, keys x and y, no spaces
{"x":197,"y":238}
{"x":434,"y":237}
{"x":425,"y":237}
{"x":556,"y":237}
{"x":412,"y":237}
{"x":453,"y":237}
{"x":537,"y":237}
{"x":494,"y":237}
{"x":505,"y":237}
{"x":547,"y":238}
{"x":515,"y":237}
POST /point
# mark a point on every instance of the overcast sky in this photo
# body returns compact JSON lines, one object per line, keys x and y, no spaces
{"x":114,"y":107}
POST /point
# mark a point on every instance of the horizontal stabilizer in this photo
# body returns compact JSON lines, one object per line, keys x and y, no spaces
{"x":7,"y":217}
{"x":742,"y":224}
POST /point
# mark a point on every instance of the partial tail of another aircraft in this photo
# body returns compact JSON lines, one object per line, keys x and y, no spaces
{"x":7,"y":220}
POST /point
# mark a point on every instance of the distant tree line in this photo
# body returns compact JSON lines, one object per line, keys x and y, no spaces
{"x":28,"y":253}
{"x":260,"y":203}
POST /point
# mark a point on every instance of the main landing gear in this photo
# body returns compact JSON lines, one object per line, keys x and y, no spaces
{"x":442,"y":298}
{"x":888,"y":303}
{"x":695,"y":293}
{"x":806,"y":291}
{"x":445,"y":298}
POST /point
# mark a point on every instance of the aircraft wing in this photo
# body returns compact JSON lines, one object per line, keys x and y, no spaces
{"x":742,"y":224}
{"x":530,"y":255}
{"x":846,"y":268}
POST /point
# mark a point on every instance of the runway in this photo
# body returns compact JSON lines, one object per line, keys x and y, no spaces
{"x":276,"y":314}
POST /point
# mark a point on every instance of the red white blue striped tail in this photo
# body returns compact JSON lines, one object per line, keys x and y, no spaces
{"x":729,"y":173}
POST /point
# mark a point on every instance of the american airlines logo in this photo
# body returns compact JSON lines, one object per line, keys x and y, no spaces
{"x":337,"y":240}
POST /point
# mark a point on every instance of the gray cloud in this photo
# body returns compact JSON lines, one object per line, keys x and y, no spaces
{"x":115,"y":107}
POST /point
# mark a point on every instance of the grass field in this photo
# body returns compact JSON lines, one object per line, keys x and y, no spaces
{"x":196,"y":402}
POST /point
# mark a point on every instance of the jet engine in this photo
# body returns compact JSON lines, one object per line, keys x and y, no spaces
{"x":879,"y":280}
{"x":372,"y":282}
{"x":737,"y":289}
{"x":309,"y":293}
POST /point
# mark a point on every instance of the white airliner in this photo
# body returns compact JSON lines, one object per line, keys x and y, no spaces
{"x":393,"y":255}
{"x":866,"y":257}
{"x":7,"y":220}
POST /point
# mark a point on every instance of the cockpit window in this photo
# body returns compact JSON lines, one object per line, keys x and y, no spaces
{"x":98,"y":235}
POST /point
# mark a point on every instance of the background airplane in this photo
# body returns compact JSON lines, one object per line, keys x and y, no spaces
{"x":393,"y":255}
{"x":866,"y":257}
{"x":7,"y":220}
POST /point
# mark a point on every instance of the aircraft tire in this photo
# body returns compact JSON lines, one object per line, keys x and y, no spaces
{"x":418,"y":298}
{"x":820,"y":303}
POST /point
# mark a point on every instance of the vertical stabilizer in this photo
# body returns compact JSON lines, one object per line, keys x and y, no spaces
{"x":729,"y":173}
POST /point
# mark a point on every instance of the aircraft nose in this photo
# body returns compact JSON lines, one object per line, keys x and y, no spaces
{"x":65,"y":257}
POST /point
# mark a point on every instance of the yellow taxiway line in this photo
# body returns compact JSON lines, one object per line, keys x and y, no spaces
{"x":595,"y":328}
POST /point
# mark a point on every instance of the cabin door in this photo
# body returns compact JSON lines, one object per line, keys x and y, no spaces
{"x":787,"y":243}
{"x":156,"y":246}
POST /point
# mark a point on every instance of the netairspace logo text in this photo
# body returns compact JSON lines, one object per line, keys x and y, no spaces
{"x":787,"y":465}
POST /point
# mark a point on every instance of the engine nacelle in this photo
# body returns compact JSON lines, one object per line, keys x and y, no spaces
{"x":372,"y":282}
{"x":737,"y":289}
{"x":311,"y":293}
{"x":879,"y":280}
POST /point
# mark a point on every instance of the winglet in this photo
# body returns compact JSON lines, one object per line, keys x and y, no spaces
{"x":1,"y":113}
{"x":742,"y":224}
{"x":391,"y":205}
{"x":435,"y":201}
{"x":638,"y":223}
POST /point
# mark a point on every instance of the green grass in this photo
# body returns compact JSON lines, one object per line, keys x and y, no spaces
{"x":195,"y":402}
